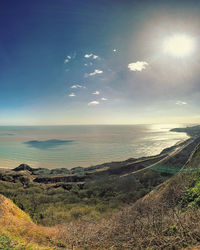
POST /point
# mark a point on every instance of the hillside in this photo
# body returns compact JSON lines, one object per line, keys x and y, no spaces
{"x":166,"y":218}
{"x":17,"y":231}
{"x":146,"y":203}
{"x":53,"y":196}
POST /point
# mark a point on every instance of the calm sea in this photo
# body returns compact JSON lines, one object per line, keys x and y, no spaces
{"x":72,"y":146}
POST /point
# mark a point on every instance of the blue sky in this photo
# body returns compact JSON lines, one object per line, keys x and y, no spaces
{"x":97,"y":62}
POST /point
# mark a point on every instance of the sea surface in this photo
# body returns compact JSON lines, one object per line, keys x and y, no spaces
{"x":72,"y":146}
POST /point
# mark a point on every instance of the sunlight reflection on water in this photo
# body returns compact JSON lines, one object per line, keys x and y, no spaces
{"x":91,"y":144}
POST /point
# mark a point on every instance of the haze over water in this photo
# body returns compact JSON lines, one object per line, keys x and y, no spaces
{"x":72,"y":146}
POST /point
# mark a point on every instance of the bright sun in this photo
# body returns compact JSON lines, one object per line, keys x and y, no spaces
{"x":179,"y":45}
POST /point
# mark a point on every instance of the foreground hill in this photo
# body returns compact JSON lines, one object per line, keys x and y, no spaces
{"x":166,"y":218}
{"x":17,"y":231}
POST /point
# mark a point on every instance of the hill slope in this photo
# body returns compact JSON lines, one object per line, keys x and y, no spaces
{"x":166,"y":218}
{"x":17,"y":231}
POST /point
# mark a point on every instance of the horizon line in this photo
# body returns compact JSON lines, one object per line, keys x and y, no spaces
{"x":94,"y":124}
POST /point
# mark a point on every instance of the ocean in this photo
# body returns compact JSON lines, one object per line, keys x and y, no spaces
{"x":72,"y":146}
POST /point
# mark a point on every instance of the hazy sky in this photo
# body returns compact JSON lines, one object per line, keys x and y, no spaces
{"x":97,"y":62}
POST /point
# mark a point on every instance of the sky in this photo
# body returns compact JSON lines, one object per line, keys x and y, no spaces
{"x":98,"y":62}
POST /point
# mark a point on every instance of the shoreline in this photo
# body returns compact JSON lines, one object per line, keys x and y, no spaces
{"x":190,"y":133}
{"x":45,"y":165}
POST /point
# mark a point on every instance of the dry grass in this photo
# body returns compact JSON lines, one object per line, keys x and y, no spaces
{"x":22,"y":232}
{"x":154,"y":222}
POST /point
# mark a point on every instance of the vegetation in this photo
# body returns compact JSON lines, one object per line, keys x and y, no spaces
{"x":153,"y":222}
{"x":111,"y":209}
{"x":50,"y":204}
{"x":17,"y":231}
{"x":191,"y":197}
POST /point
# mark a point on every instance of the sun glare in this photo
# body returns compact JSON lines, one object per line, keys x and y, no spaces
{"x":179,"y":45}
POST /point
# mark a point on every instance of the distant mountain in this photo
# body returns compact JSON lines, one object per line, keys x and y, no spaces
{"x":191,"y":131}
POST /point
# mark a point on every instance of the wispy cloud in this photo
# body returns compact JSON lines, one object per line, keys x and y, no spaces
{"x":104,"y":99}
{"x":96,"y":93}
{"x":68,"y":58}
{"x":91,"y":56}
{"x":138,"y":66}
{"x":77,"y":86}
{"x":88,"y":64}
{"x":93,"y":103}
{"x":181,"y":103}
{"x":95,"y":72}
{"x":72,"y":95}
{"x":88,"y":55}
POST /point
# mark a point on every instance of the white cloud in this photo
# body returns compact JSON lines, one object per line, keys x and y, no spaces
{"x":85,"y":64}
{"x":91,"y":55}
{"x":72,"y":95}
{"x":88,"y":55}
{"x":181,"y":103}
{"x":68,"y":58}
{"x":77,"y":86}
{"x":138,"y":66}
{"x":114,"y":50}
{"x":104,"y":99}
{"x":96,"y":93}
{"x":93,"y":103}
{"x":96,"y":71}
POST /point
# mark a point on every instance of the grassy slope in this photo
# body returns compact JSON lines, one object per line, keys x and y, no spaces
{"x":103,"y":193}
{"x":17,"y":231}
{"x":157,"y":221}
